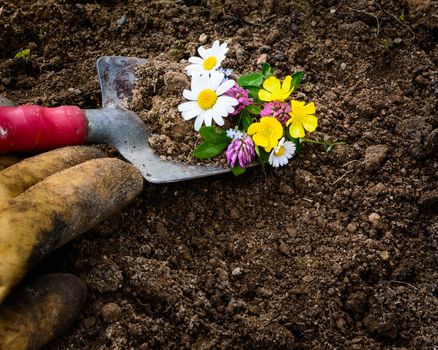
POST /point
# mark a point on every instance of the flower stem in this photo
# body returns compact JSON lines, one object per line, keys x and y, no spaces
{"x":329,"y":144}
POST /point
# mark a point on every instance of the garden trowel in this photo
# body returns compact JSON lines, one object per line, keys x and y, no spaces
{"x":36,"y":128}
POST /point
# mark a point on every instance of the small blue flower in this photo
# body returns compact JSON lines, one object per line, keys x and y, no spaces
{"x":225,"y":71}
{"x":234,"y":134}
{"x":231,"y":133}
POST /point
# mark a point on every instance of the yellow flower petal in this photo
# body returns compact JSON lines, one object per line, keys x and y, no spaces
{"x":260,"y":140}
{"x":310,"y":108}
{"x":277,"y":130}
{"x":285,"y":88}
{"x":296,"y":130}
{"x":271,"y":84}
{"x":265,"y":95}
{"x":271,"y":144}
{"x":310,"y":122}
{"x":289,"y":121}
{"x":296,"y":106}
{"x":253,"y":128}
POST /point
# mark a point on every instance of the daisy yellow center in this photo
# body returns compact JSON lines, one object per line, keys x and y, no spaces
{"x":207,"y":98}
{"x":279,"y":152}
{"x":209,"y":63}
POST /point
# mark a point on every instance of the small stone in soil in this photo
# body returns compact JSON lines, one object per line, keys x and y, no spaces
{"x":111,"y":312}
{"x":203,"y":39}
{"x":374,"y":156}
{"x":236,"y":272}
{"x":374,"y":218}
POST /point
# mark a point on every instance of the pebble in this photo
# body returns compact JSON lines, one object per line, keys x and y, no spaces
{"x":111,"y":312}
{"x":263,"y":58}
{"x":203,"y":39}
{"x":237,"y":271}
{"x":374,"y":156}
{"x":374,"y":218}
{"x":343,"y":66}
{"x":121,"y":21}
{"x":351,"y":227}
{"x":332,"y":11}
{"x":222,"y":274}
{"x":384,"y":255}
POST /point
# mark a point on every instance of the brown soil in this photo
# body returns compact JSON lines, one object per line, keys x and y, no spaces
{"x":157,"y":93}
{"x":338,"y":250}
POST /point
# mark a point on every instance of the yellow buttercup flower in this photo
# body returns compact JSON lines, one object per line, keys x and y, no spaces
{"x":273,"y":90}
{"x":302,"y":118}
{"x":266,"y":133}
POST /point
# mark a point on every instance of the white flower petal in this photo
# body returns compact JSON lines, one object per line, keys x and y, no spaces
{"x":228,"y":100}
{"x":220,"y":110}
{"x":203,"y":52}
{"x":271,"y":158}
{"x":190,"y":114}
{"x":218,"y":119}
{"x":194,"y":70}
{"x":225,"y":86}
{"x":198,"y":122}
{"x":199,"y":83}
{"x":228,"y":108}
{"x":208,"y":117}
{"x":196,"y":60}
{"x":190,"y":95}
{"x":216,"y":79}
{"x":187,"y":106}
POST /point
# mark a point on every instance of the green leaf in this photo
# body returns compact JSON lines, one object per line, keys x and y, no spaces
{"x":257,"y":150}
{"x":267,"y":70}
{"x":23,"y":54}
{"x":251,"y":79}
{"x":296,"y":79}
{"x":264,"y":156}
{"x":209,"y":150}
{"x":213,"y":134}
{"x":253,"y":92}
{"x":297,"y":143}
{"x":246,"y":122}
{"x":254,"y":109}
{"x":238,"y":170}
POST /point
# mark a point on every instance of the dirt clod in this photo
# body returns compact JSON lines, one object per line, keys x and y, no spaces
{"x":374,"y":156}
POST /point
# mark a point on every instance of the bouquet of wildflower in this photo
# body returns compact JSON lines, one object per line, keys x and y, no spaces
{"x":266,"y":124}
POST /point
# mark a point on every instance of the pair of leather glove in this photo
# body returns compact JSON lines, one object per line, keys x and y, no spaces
{"x":46,"y":201}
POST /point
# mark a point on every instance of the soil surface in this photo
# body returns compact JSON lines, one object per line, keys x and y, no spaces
{"x":338,"y":250}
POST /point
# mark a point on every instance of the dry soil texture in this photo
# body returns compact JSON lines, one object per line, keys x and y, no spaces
{"x":337,"y":250}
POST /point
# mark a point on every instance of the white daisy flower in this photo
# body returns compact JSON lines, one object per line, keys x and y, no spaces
{"x":206,"y":100}
{"x":281,"y":154}
{"x":209,"y":61}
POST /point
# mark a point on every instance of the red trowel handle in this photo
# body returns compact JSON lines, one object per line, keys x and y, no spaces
{"x":35,"y":128}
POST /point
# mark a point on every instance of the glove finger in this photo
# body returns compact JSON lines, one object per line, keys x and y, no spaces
{"x":40,"y":311}
{"x":19,"y":177}
{"x":58,"y":209}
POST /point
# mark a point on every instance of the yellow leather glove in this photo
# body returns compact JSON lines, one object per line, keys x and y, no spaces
{"x":46,"y":201}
